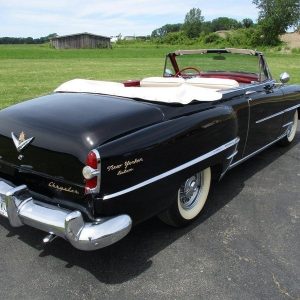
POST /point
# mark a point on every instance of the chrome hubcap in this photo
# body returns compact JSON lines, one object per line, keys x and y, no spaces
{"x":290,"y":129}
{"x":189,"y":191}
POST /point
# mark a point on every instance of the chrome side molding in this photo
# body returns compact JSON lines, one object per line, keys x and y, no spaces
{"x":277,"y":114}
{"x":230,"y":157}
{"x":257,"y":151}
{"x":175,"y":170}
{"x":287,"y":124}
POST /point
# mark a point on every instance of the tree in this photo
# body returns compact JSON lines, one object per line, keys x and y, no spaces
{"x":51,"y":36}
{"x":276,"y":16}
{"x":193,"y":23}
{"x":206,"y":27}
{"x":224,"y":23}
{"x":164,"y":30}
{"x":247,"y":23}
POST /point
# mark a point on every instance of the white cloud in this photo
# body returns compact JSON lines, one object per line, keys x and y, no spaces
{"x":37,"y":18}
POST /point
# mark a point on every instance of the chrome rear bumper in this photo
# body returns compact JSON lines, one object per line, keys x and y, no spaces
{"x":22,"y":209}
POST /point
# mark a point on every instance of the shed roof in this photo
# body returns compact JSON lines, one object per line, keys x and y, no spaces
{"x":77,"y":34}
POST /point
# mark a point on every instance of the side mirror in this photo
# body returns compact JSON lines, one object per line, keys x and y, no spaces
{"x":284,"y":77}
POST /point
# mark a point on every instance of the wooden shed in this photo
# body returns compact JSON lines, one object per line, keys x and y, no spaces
{"x":81,"y":40}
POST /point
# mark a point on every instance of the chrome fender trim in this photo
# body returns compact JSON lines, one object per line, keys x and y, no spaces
{"x":222,"y":148}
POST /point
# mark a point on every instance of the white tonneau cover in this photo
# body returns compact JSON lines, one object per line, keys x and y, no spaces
{"x":182,"y":93}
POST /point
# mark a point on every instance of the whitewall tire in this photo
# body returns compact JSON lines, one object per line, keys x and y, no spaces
{"x":291,"y":131}
{"x":191,"y":197}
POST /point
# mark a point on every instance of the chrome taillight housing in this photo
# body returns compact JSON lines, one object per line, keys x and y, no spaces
{"x":91,"y":172}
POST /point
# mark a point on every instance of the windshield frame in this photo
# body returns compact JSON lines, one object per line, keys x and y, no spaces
{"x":263,"y":72}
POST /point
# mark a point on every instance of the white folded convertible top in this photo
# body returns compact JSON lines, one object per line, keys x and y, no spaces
{"x":183,"y":93}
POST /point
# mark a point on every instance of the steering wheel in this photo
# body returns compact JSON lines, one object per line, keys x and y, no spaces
{"x":181,"y":72}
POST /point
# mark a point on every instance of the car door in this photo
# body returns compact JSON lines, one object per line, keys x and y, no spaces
{"x":265,"y":122}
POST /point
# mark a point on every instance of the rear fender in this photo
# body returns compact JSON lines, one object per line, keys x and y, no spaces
{"x":156,"y":150}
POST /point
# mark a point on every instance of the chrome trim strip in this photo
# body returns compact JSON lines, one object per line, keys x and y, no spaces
{"x":232,"y":155}
{"x":293,"y":107}
{"x":277,"y":114}
{"x":257,"y":151}
{"x":230,"y":158}
{"x":254,"y":85}
{"x":248,"y":128}
{"x":287,"y":124}
{"x":270,"y":117}
{"x":175,"y":170}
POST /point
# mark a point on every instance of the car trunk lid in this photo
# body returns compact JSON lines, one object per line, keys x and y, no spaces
{"x":64,"y":128}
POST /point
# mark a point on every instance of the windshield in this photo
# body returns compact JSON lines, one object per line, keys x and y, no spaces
{"x":191,"y":65}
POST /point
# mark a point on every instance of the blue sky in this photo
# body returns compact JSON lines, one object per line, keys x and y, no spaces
{"x":37,"y":18}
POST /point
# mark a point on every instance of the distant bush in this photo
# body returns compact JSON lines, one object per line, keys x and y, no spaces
{"x":212,"y":38}
{"x":250,"y":37}
{"x":177,"y":38}
{"x":240,"y":38}
{"x":132,"y":43}
{"x":296,"y":50}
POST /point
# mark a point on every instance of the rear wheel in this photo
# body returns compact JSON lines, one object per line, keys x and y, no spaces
{"x":291,"y":131}
{"x":191,"y":197}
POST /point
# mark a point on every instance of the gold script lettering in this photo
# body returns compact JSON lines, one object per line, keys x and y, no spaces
{"x":126,"y":167}
{"x":133,"y":162}
{"x":63,"y":189}
{"x":125,"y":171}
{"x":114,"y":167}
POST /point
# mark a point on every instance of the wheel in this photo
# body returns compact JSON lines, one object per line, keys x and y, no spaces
{"x":191,"y":197}
{"x":291,"y":131}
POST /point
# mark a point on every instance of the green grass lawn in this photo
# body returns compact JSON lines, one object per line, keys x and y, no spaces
{"x":28,"y":71}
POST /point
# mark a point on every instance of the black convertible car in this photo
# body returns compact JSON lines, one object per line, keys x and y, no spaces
{"x":95,"y":157}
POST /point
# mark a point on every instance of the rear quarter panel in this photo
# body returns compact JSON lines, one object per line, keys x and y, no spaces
{"x":140,"y":156}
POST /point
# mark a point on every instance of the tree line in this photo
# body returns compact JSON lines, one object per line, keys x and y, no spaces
{"x":195,"y":25}
{"x":275,"y":17}
{"x":27,"y":40}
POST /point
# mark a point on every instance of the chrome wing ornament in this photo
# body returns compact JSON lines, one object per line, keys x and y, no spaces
{"x":21,"y":142}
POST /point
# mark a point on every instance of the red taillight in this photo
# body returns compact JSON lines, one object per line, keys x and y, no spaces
{"x":91,"y":172}
{"x":92,"y":160}
{"x":90,"y":184}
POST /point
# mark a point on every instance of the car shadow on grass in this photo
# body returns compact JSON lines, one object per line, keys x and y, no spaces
{"x":132,"y":255}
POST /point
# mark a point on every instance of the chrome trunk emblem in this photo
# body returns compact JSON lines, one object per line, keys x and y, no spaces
{"x":21,"y":143}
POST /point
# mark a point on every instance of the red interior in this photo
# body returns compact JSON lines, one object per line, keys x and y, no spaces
{"x":239,"y":77}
